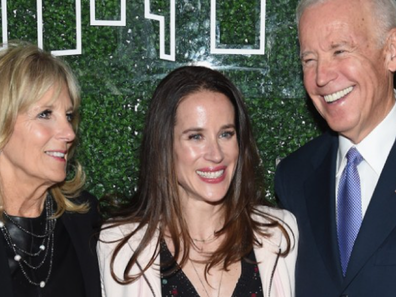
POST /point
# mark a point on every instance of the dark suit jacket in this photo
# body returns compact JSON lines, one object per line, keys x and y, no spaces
{"x":81,"y":228}
{"x":305,"y":185}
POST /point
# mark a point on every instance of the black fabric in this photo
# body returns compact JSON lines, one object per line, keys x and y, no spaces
{"x":65,"y":265}
{"x":77,"y":239}
{"x":177,"y":284}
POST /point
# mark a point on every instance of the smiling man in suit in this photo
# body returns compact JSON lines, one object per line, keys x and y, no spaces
{"x":341,"y":185}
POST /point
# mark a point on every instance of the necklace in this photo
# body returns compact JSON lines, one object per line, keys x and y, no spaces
{"x":195,"y":241}
{"x":210,"y":238}
{"x":202,"y":283}
{"x":47,"y":244}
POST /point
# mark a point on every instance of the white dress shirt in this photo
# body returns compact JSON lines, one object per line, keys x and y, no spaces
{"x":374,"y":149}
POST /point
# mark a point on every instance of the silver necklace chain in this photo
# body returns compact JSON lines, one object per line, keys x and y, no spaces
{"x":43,"y":247}
{"x":46,"y":245}
{"x":47,"y":231}
{"x":202,"y":283}
{"x":210,"y":238}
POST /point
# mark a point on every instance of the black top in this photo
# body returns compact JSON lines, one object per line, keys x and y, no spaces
{"x":65,"y":266}
{"x":79,"y":230}
{"x":177,"y":284}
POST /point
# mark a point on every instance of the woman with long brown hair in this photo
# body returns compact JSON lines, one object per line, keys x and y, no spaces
{"x":199,"y":224}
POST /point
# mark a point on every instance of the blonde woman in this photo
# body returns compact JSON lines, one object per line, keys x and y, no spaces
{"x":46,"y":247}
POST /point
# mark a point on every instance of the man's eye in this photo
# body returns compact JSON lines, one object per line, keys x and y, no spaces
{"x":307,"y":61}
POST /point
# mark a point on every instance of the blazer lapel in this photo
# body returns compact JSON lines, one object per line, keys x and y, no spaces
{"x":379,"y":219}
{"x":320,"y":193}
{"x":80,"y":231}
{"x":152,"y":275}
{"x":5,"y":275}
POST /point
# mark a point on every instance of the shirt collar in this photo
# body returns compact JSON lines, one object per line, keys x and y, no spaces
{"x":375,"y":147}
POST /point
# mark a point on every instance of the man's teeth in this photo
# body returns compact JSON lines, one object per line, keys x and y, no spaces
{"x":337,"y":95}
{"x":56,"y":154}
{"x":214,"y":174}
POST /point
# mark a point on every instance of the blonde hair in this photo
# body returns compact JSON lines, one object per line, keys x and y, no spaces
{"x":26,"y":74}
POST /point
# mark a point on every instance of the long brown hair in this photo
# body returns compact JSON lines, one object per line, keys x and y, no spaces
{"x":156,"y":204}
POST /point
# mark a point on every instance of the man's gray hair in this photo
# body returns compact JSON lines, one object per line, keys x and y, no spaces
{"x":384,"y":13}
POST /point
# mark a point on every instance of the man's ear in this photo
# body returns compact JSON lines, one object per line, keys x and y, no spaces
{"x":390,"y":48}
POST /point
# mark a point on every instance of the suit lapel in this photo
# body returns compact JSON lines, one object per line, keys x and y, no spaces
{"x":320,"y":193}
{"x":379,"y":220}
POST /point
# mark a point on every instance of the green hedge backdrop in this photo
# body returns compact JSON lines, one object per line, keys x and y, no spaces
{"x":120,"y":66}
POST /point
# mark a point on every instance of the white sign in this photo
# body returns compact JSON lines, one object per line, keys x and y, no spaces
{"x":214,"y":49}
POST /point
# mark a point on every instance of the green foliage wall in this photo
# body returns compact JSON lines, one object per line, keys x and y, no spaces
{"x":120,"y":66}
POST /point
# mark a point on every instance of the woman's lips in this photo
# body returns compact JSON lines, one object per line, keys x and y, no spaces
{"x":214,"y":175}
